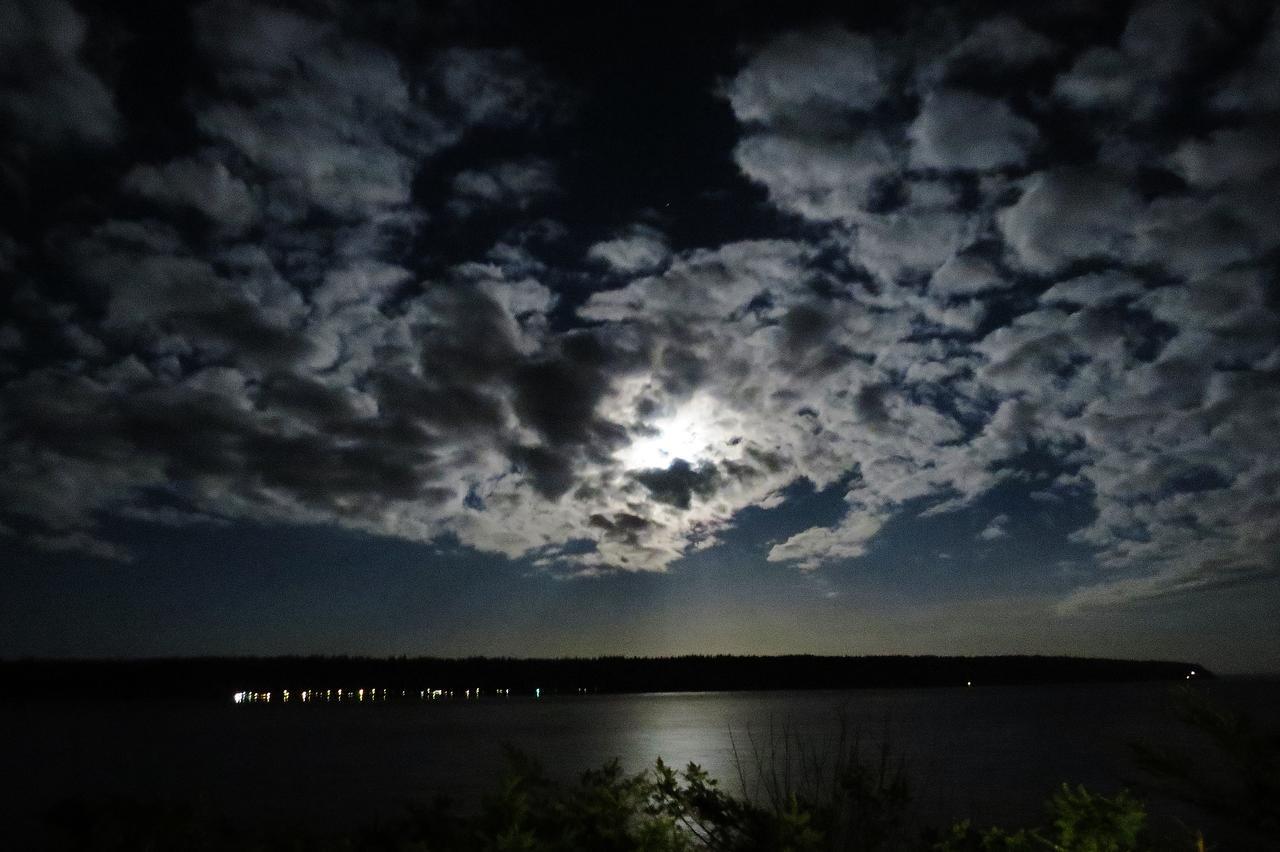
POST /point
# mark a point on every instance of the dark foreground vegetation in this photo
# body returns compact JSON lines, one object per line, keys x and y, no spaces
{"x":795,"y":798}
{"x":217,"y":678}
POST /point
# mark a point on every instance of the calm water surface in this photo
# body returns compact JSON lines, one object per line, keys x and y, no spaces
{"x":989,"y":753}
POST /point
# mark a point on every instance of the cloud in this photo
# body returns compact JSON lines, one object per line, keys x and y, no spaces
{"x":963,"y":130}
{"x":208,"y":187}
{"x":82,"y":543}
{"x":339,"y":123}
{"x":679,"y":483}
{"x":818,"y":178}
{"x":49,"y":94}
{"x":995,"y":529}
{"x":1253,"y":87}
{"x":317,"y":391}
{"x":1229,"y":155}
{"x":640,"y":250}
{"x":799,"y":76}
{"x":1162,"y":40}
{"x":1004,"y":41}
{"x":497,"y":88}
{"x":1072,"y":364}
{"x":964,"y":277}
{"x":819,"y":545}
{"x":1092,"y":290}
{"x":511,"y":184}
{"x":1070,"y":214}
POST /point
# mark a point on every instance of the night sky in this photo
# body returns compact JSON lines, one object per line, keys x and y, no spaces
{"x":542,"y":329}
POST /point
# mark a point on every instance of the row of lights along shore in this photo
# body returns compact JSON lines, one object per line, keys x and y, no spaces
{"x":313,"y":696}
{"x":308,"y":696}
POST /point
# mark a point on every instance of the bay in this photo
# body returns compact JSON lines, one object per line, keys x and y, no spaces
{"x":992,"y":754}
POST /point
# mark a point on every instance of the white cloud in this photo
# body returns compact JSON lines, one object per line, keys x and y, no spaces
{"x":964,"y":130}
{"x":965,"y":275}
{"x":802,"y":75}
{"x":819,"y":545}
{"x":510,"y":184}
{"x":995,"y":529}
{"x":641,"y":250}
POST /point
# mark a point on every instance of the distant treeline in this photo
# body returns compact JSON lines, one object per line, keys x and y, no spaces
{"x":218,"y":678}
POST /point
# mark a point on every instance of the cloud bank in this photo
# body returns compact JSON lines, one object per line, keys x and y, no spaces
{"x":1065,"y":254}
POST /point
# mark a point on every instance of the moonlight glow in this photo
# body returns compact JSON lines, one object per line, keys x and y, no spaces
{"x":691,"y":433}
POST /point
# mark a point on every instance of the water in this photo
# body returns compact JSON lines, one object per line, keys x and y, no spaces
{"x":993,"y":754}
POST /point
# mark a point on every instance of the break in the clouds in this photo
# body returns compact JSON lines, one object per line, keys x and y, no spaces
{"x":1000,"y":249}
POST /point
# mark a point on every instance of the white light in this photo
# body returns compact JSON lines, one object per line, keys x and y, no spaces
{"x":691,"y":433}
{"x":238,"y":698}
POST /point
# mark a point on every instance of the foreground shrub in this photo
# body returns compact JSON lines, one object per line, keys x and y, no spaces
{"x":1079,"y":821}
{"x":1232,"y":771}
{"x":607,"y":810}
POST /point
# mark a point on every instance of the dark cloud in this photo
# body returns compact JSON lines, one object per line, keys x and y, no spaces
{"x":551,"y":472}
{"x":1003,"y":41}
{"x":623,"y":527}
{"x":680,"y":483}
{"x":559,"y":397}
{"x":49,"y":95}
